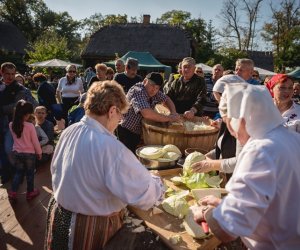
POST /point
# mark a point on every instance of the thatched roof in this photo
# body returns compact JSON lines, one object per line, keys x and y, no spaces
{"x":166,"y":43}
{"x":11,"y":40}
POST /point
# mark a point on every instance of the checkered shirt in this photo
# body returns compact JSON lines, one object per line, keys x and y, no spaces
{"x":139,"y":100}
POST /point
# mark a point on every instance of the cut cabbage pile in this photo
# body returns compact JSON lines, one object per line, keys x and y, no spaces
{"x":196,"y":126}
{"x":201,"y":184}
{"x":163,"y":154}
{"x":176,"y":204}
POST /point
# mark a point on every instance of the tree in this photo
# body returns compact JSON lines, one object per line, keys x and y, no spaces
{"x":95,"y":22}
{"x":32,"y":17}
{"x":202,"y":33}
{"x":234,"y":32}
{"x":49,"y":46}
{"x":175,"y":18}
{"x":284,"y":33}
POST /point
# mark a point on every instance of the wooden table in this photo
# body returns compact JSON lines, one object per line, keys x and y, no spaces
{"x":166,"y":225}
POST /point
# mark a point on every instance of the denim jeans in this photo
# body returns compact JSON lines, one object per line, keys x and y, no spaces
{"x":24,"y":164}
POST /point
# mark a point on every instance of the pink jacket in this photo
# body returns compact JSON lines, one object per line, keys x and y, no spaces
{"x":28,"y":142}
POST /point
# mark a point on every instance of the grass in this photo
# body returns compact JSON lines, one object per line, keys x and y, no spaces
{"x":34,"y":94}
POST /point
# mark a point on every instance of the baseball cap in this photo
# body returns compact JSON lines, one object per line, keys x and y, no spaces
{"x":155,"y":78}
{"x":132,"y":63}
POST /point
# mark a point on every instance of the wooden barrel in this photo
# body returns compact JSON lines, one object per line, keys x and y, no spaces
{"x":156,"y":133}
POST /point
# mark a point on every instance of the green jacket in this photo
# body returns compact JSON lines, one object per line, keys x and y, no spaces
{"x":186,"y":95}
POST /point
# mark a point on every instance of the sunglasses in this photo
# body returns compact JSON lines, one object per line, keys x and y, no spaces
{"x":71,"y":71}
{"x":254,"y":75}
{"x":199,"y":71}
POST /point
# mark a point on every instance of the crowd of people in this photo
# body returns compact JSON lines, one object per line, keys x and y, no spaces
{"x":98,"y":120}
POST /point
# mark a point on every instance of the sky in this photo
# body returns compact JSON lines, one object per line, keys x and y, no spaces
{"x":206,"y":9}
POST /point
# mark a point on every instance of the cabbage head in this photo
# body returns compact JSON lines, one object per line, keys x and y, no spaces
{"x":176,"y":204}
{"x":190,"y":160}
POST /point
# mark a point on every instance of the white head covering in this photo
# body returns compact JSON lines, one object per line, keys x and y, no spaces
{"x":254,"y":104}
{"x":220,"y":83}
{"x":219,"y":87}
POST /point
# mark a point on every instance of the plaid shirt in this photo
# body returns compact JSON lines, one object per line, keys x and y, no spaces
{"x":139,"y":100}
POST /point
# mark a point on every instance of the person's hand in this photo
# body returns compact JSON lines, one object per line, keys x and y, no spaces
{"x":216,"y":123}
{"x":39,"y":156}
{"x":202,"y":166}
{"x":174,"y":117}
{"x":155,"y":172}
{"x":210,"y":200}
{"x":198,"y":212}
{"x":189,"y":114}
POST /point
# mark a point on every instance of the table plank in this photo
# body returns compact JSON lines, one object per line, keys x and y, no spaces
{"x":166,"y":225}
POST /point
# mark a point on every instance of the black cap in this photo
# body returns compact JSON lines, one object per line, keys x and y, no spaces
{"x":155,"y":78}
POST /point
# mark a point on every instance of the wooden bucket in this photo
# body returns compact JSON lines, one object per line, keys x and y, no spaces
{"x":156,"y":133}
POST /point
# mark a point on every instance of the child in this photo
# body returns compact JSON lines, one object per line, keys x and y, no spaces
{"x":26,"y":149}
{"x":47,"y":127}
{"x":77,"y":112}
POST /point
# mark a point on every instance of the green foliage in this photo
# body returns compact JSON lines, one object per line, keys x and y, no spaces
{"x":95,"y":22}
{"x":202,"y":33}
{"x":175,"y":18}
{"x":284,"y":33}
{"x":34,"y":18}
{"x":49,"y":46}
{"x":31,"y":16}
{"x":228,"y":56}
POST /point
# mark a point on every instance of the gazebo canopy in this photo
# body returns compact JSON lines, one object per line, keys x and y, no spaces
{"x":205,"y":68}
{"x":146,"y":61}
{"x":264,"y":72}
{"x":53,"y":63}
{"x":295,"y":74}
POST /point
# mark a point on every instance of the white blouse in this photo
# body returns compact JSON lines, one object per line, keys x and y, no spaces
{"x":292,"y":117}
{"x":72,"y":90}
{"x":95,"y":174}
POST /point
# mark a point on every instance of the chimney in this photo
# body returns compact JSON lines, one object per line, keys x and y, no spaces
{"x":146,"y":19}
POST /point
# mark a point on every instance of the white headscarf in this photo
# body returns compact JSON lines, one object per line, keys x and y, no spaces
{"x":254,"y":104}
{"x":227,"y":79}
{"x":220,"y":86}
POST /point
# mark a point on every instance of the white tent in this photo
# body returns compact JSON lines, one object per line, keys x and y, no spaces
{"x":53,"y":63}
{"x":264,"y":72}
{"x":205,"y":68}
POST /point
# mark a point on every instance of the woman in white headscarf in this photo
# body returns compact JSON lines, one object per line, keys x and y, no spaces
{"x":281,"y":89}
{"x":260,"y":206}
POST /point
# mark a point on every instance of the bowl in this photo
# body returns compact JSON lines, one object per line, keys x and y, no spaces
{"x":155,"y":164}
{"x":191,"y":150}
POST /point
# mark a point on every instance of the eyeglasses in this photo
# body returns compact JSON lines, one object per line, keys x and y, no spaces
{"x":71,"y":71}
{"x":200,"y":72}
{"x":254,"y":75}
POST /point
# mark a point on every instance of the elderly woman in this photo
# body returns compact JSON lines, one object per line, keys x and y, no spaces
{"x":69,"y":89}
{"x":281,"y":87}
{"x":94,"y":176}
{"x":264,"y":180}
{"x":100,"y":76}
